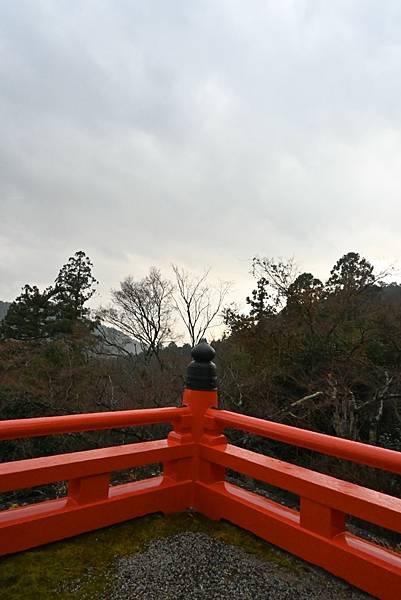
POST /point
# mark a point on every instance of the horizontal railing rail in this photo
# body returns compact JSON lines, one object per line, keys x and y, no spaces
{"x":90,"y":501}
{"x":372,"y":456}
{"x":41,"y":426}
{"x":364,"y":503}
{"x":32,"y":472}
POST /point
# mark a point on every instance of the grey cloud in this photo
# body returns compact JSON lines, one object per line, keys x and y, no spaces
{"x":199,"y":133}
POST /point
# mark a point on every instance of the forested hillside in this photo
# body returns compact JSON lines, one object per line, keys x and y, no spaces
{"x":322,"y":355}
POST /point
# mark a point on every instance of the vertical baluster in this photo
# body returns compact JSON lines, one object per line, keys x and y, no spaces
{"x":86,"y":490}
{"x":321,"y":519}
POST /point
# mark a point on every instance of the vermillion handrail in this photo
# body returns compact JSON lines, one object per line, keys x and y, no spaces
{"x":365,"y":454}
{"x":195,"y":457}
{"x":91,"y":502}
{"x":39,"y":426}
{"x":87,"y":463}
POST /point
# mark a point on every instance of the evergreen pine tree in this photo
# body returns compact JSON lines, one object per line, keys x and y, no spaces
{"x":74,"y":286}
{"x":30,"y":316}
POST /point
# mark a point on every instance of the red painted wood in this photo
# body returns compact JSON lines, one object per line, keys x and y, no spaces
{"x":195,"y":457}
{"x":39,"y":524}
{"x":343,"y":496}
{"x":371,"y":568}
{"x":40,"y":471}
{"x":25,"y":428}
{"x":365,"y":454}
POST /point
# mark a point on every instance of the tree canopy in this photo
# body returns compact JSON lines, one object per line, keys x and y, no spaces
{"x":74,"y":286}
{"x":36,"y":315}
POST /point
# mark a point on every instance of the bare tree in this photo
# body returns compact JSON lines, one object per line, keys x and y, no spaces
{"x":277,"y":275}
{"x":143,"y":310}
{"x":197,"y":303}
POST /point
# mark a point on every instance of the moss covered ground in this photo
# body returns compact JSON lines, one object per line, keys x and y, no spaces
{"x":81,"y":567}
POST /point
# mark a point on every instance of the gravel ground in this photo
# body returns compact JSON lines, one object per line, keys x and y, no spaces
{"x":195,"y":566}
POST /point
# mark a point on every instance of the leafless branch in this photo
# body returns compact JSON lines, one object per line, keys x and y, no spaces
{"x":197,"y":303}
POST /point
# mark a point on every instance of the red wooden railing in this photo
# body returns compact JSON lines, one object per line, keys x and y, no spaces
{"x":195,"y":456}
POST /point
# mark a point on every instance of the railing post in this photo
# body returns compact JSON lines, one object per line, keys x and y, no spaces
{"x":200,"y":393}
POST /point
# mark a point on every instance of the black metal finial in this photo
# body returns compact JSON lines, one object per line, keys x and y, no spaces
{"x":201,"y":372}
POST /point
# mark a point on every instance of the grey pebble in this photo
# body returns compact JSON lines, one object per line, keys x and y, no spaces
{"x":195,"y":566}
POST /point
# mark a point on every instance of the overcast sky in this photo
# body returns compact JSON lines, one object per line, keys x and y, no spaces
{"x":197,"y":132}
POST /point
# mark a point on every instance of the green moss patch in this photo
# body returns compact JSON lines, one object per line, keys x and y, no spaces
{"x":81,"y":567}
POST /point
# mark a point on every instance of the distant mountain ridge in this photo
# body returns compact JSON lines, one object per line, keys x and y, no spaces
{"x":115,"y":342}
{"x":4,"y":306}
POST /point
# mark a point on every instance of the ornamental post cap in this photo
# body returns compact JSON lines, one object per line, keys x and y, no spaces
{"x":203,"y":352}
{"x":201,"y":372}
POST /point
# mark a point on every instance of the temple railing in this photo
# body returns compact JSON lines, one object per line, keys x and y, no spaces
{"x":195,"y":456}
